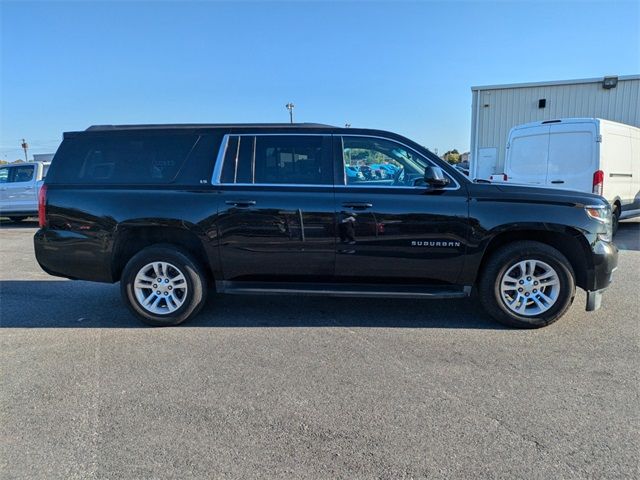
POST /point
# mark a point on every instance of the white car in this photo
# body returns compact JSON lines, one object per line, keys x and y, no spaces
{"x":20,"y":184}
{"x":584,"y":154}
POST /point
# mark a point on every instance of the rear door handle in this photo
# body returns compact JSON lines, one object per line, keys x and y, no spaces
{"x":357,"y":205}
{"x":557,"y":181}
{"x":241,"y":203}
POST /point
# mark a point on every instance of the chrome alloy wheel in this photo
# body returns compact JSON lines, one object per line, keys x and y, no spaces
{"x":160,"y":288}
{"x":529,"y":287}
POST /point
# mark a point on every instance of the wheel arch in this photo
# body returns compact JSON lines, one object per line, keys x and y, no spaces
{"x":131,"y":239}
{"x":567,"y":241}
{"x":617,"y":201}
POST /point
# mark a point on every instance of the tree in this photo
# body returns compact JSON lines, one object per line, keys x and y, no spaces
{"x":452,"y":156}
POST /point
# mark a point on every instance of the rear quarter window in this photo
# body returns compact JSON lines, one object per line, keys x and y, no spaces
{"x":121,"y":158}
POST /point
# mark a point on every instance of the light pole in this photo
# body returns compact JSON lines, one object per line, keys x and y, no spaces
{"x":25,"y":147}
{"x":347,"y":125}
{"x":290,"y":107}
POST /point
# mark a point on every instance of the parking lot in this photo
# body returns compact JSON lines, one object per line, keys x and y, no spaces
{"x":265,"y":387}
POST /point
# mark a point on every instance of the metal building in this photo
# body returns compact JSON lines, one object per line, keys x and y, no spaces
{"x":498,"y":108}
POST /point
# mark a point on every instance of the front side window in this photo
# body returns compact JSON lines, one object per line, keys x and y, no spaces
{"x":22,"y":174}
{"x":378,"y":162}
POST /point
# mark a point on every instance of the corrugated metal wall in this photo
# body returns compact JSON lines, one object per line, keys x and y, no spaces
{"x":508,"y":107}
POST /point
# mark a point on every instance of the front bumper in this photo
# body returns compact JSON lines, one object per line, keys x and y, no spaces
{"x":605,"y":262}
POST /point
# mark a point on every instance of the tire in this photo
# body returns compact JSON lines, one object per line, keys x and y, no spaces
{"x":500,"y":285}
{"x":182,"y":291}
{"x":615,"y":218}
{"x":17,"y":219}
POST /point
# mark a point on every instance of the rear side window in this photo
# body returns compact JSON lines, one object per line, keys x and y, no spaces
{"x":292,"y":160}
{"x":4,"y":174}
{"x":278,"y":159}
{"x":131,"y":158}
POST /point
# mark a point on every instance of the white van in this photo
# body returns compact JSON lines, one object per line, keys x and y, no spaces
{"x":584,"y":154}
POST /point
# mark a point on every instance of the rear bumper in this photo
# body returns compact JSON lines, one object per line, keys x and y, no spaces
{"x":72,"y":255}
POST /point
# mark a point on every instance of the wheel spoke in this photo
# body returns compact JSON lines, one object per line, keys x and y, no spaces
{"x":142,"y":283}
{"x":547,"y":274}
{"x":537,"y":301}
{"x":549,"y":301}
{"x":523,"y":304}
{"x":510,"y":276}
{"x":149,"y":300}
{"x":172,"y":303}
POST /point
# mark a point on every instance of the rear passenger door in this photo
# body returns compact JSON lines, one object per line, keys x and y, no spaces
{"x":276,"y":216}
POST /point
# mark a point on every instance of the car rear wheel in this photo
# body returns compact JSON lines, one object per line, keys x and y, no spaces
{"x":527,"y":284}
{"x":163,"y":286}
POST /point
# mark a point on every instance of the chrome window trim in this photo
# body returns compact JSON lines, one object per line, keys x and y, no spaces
{"x":217,"y":171}
{"x":346,"y":185}
{"x":305,"y":185}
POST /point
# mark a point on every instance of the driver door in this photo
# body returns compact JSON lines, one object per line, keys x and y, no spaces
{"x":391,"y":227}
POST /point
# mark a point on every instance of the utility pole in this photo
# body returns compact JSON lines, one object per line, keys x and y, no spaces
{"x":25,"y":147}
{"x":290,"y":107}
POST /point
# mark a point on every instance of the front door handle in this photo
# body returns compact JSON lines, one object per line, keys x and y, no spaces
{"x":357,"y":205}
{"x":241,"y":203}
{"x":557,"y":181}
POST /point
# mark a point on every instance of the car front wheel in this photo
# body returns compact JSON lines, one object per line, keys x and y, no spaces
{"x":527,"y":284}
{"x":163,"y":286}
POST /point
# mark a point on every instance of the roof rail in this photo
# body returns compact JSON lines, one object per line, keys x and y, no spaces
{"x":207,"y":125}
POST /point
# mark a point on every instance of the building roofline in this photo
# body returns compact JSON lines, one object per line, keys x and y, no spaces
{"x":552,"y":83}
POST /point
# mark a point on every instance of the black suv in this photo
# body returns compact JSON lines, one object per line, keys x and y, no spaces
{"x":173,"y":211}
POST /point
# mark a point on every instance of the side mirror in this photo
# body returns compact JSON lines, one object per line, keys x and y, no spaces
{"x":435,"y":177}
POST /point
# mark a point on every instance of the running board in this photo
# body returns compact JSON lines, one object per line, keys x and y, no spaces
{"x":343,"y":290}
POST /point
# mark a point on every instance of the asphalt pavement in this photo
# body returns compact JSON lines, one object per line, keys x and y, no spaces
{"x":294,"y":387}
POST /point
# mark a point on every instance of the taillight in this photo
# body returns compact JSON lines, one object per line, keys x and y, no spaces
{"x":42,"y":206}
{"x":598,"y":182}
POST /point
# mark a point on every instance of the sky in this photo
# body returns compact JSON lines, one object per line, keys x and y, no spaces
{"x":402,"y":66}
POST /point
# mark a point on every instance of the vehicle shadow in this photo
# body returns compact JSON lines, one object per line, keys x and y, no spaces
{"x":628,"y":235}
{"x":27,"y":223}
{"x":76,"y":304}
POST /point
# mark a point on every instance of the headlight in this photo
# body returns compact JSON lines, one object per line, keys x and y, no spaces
{"x":602,"y":214}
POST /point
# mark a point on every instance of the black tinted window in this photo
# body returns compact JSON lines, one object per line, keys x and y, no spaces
{"x":294,"y":159}
{"x":22,"y":174}
{"x":121,"y":158}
